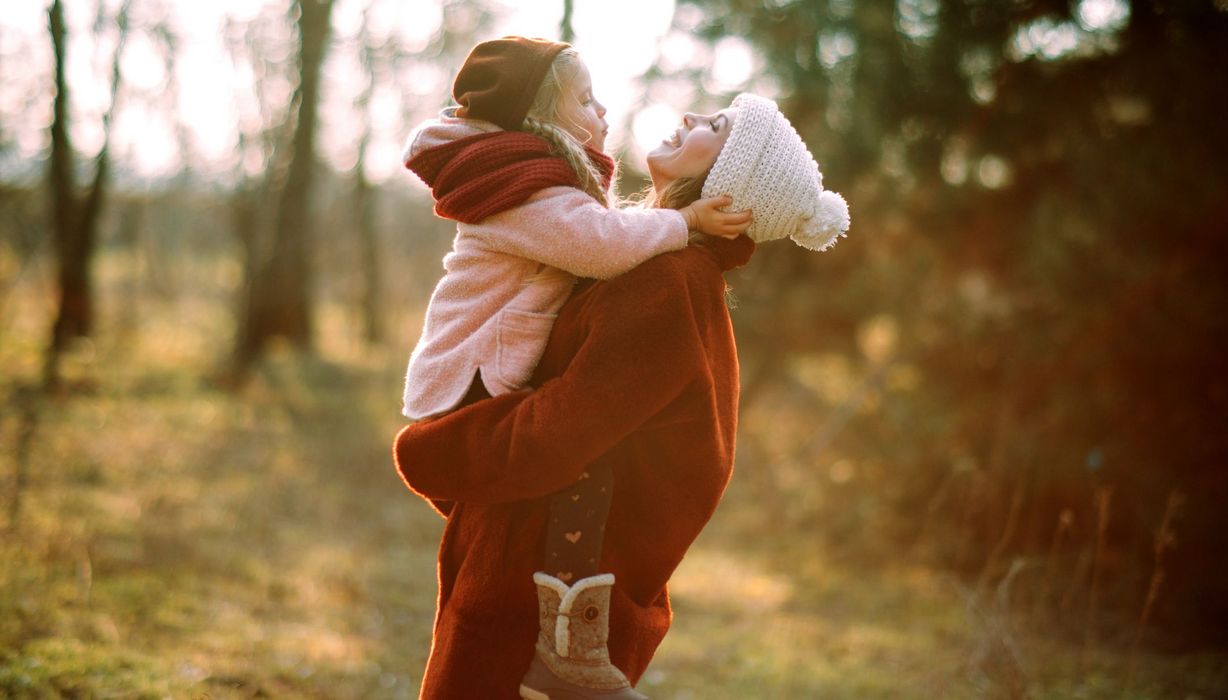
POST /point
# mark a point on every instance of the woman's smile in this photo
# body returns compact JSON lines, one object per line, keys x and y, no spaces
{"x":693,"y":147}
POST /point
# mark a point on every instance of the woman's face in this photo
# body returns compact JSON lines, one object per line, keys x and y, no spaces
{"x":692,"y":149}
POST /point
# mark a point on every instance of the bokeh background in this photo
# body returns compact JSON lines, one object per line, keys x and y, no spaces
{"x":982,"y":446}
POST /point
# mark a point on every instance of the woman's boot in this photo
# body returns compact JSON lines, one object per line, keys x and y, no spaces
{"x":572,"y":661}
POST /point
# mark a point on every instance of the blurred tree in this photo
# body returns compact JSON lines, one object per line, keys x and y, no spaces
{"x":74,"y":216}
{"x":1038,"y":215}
{"x":567,"y":33}
{"x":390,"y":59}
{"x":279,"y":301}
{"x":170,"y":46}
{"x":258,"y":136}
{"x":374,"y":62}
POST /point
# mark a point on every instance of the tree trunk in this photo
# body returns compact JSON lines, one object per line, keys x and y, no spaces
{"x":566,"y":32}
{"x":279,"y":302}
{"x":372,"y":278}
{"x":369,"y":272}
{"x":74,"y":309}
{"x":75,"y":222}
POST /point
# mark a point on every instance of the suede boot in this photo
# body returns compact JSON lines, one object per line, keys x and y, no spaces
{"x":572,"y":661}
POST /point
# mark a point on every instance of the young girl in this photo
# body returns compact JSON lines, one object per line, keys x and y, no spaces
{"x":520,"y":166}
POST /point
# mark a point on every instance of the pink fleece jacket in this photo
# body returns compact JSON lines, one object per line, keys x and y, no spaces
{"x":492,"y":312}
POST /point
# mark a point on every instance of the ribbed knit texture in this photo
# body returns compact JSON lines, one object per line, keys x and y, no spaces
{"x":764,"y":166}
{"x":485,"y":174}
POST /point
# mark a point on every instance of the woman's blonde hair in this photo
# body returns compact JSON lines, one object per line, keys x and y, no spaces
{"x":545,"y":119}
{"x":679,"y":193}
{"x":676,"y":195}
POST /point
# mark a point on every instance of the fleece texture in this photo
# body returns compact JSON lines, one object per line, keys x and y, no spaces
{"x":493,"y":309}
{"x":641,"y":374}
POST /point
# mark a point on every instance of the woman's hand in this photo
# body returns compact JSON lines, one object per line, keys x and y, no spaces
{"x":705,"y":216}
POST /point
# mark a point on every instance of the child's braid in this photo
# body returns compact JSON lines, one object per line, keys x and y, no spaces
{"x":566,"y":147}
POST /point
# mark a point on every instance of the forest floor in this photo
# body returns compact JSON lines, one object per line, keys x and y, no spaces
{"x":164,"y":537}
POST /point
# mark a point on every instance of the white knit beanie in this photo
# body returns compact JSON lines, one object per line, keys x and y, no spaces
{"x":765,"y":167}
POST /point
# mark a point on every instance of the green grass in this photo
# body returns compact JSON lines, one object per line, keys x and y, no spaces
{"x":178,"y":540}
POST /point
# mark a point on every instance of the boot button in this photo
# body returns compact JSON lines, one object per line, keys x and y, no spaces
{"x":591,"y":613}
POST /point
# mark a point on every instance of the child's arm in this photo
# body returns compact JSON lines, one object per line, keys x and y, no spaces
{"x":565,"y":228}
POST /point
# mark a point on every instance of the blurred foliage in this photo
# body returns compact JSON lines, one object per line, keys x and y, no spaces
{"x":981,"y":452}
{"x":1030,"y":307}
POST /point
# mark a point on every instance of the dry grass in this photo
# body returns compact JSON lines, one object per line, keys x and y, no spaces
{"x":176,"y":540}
{"x":173,"y":538}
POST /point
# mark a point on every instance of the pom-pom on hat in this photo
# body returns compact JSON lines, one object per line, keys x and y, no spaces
{"x":500,"y":78}
{"x":765,"y":167}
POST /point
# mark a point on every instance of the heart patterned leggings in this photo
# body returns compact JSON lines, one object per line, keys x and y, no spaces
{"x":576,"y":530}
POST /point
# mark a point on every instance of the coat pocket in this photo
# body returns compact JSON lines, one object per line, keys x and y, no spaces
{"x":520,"y":342}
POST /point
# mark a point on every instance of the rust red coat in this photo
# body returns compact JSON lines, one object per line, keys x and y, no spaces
{"x":641,"y":372}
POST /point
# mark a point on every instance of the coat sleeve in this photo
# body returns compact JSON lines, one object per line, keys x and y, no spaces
{"x":565,"y":228}
{"x":637,"y":357}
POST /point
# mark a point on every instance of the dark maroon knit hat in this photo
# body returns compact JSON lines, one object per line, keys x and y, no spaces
{"x":500,"y":78}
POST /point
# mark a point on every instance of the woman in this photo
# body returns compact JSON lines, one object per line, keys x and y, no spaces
{"x":640,"y":377}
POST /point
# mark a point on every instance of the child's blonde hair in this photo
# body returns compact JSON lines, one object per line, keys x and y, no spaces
{"x":545,"y":119}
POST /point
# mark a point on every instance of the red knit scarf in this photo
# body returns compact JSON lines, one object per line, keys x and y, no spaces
{"x":481,"y":175}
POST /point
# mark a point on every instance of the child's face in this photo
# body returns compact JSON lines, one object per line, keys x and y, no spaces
{"x":580,"y":113}
{"x":693,"y":147}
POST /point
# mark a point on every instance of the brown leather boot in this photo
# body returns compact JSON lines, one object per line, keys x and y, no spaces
{"x":572,"y":661}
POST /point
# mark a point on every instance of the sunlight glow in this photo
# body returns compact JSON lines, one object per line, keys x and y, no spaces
{"x":954,"y":165}
{"x":677,"y":51}
{"x":1045,"y":38}
{"x":835,"y":46}
{"x":917,"y":19}
{"x":710,"y":578}
{"x":733,"y":63}
{"x":618,"y":42}
{"x":653,"y":124}
{"x":144,"y":137}
{"x":1103,"y":15}
{"x":141,"y":65}
{"x":994,"y":172}
{"x":1095,"y":30}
